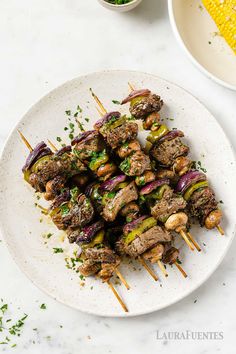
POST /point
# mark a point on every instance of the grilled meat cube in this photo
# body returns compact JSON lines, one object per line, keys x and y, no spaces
{"x":154,"y":254}
{"x":93,"y":143}
{"x":147,"y":105}
{"x":201,"y":203}
{"x":89,"y":268}
{"x":54,"y":186}
{"x":171,"y":256}
{"x":138,"y":163}
{"x":120,"y":135}
{"x":168,"y":205}
{"x":108,"y":269}
{"x":103,"y":255}
{"x":123,"y":197}
{"x":167,"y":151}
{"x":80,"y":214}
{"x":144,"y":242}
{"x":75,"y":215}
{"x":72,"y":234}
{"x":128,"y":148}
{"x":63,"y":165}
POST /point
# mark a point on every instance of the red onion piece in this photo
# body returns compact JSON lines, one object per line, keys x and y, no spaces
{"x":79,"y":252}
{"x":150,"y":187}
{"x":171,"y":135}
{"x":188,"y":179}
{"x":133,"y":224}
{"x":88,"y":232}
{"x":63,"y":150}
{"x":111,"y":184}
{"x":136,"y":93}
{"x":39,"y":151}
{"x":106,"y":119}
{"x":62,"y":198}
{"x":83,"y":136}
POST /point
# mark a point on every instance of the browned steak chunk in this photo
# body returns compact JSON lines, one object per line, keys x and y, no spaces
{"x":201,"y":203}
{"x":123,"y":197}
{"x":144,"y":242}
{"x":168,"y":205}
{"x":138,"y":163}
{"x":171,"y":255}
{"x":155,"y":253}
{"x":120,"y":135}
{"x":93,"y":144}
{"x":89,"y":268}
{"x":147,"y":105}
{"x":103,"y":255}
{"x":166,"y":152}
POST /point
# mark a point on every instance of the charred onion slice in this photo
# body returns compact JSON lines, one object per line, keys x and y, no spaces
{"x":189,"y":179}
{"x":39,"y":151}
{"x":150,"y":187}
{"x":112,"y":183}
{"x":135,"y":94}
{"x":88,"y":232}
{"x":193,"y":188}
{"x":106,"y":119}
{"x":171,"y":135}
{"x":133,"y":224}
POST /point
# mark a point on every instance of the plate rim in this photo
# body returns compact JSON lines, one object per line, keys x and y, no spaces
{"x":189,"y":54}
{"x":47,"y":292}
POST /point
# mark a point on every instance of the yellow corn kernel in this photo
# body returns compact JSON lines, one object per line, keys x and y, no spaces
{"x":223,"y":13}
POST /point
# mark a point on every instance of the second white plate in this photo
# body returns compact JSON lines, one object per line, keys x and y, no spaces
{"x":199,"y":36}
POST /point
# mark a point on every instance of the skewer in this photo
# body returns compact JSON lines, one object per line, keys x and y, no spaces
{"x":117,"y":295}
{"x":184,"y":236}
{"x":118,"y":273}
{"x":180,"y":269}
{"x":162,"y":268}
{"x":219,"y":228}
{"x":148,"y":269}
{"x":102,"y":108}
{"x":131,"y":86}
{"x":52,"y":145}
{"x":45,"y":211}
{"x":221,"y":231}
{"x":196,"y":245}
{"x":120,"y":276}
{"x":25,"y":141}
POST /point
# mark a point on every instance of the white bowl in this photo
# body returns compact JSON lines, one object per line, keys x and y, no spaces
{"x":120,"y":8}
{"x":196,"y":32}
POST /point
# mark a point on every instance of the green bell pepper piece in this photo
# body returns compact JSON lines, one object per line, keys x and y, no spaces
{"x":156,"y":135}
{"x":193,"y":188}
{"x":145,"y":225}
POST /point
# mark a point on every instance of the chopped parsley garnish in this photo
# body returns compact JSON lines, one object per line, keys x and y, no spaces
{"x":64,"y":209}
{"x":116,"y":102}
{"x":43,"y":307}
{"x":87,"y":119}
{"x":58,"y":139}
{"x":68,"y":112}
{"x":57,"y":250}
{"x":125,"y":166}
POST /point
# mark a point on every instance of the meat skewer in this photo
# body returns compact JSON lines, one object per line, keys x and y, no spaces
{"x":168,"y":143}
{"x":130,"y":132}
{"x":106,"y":280}
{"x":123,"y":137}
{"x":118,"y":273}
{"x":91,"y":149}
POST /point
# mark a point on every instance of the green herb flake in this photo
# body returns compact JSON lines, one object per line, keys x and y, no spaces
{"x":87,"y":119}
{"x":4,"y":308}
{"x":58,"y":139}
{"x":57,"y":250}
{"x":116,"y":102}
{"x":68,"y":112}
{"x":43,"y":307}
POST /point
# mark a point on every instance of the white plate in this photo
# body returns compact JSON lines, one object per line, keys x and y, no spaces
{"x":196,"y":32}
{"x":20,"y":219}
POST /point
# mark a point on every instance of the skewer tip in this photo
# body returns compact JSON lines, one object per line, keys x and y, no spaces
{"x":117,"y":296}
{"x":185,"y":275}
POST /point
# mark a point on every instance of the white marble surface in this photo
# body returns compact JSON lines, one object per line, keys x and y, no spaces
{"x":43,"y":44}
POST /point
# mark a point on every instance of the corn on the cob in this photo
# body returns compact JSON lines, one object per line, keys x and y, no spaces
{"x":223,"y":13}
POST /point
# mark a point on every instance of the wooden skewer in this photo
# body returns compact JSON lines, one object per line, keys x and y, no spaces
{"x":162,"y":268}
{"x":120,"y":276}
{"x":52,"y":145}
{"x":131,"y":86}
{"x":221,"y":231}
{"x":196,"y":245}
{"x":184,"y":236}
{"x":102,"y":108}
{"x":99,"y":112}
{"x":117,"y":296}
{"x":180,"y":269}
{"x":149,"y":270}
{"x":25,"y":141}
